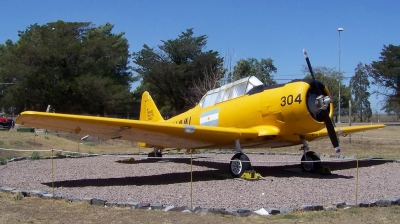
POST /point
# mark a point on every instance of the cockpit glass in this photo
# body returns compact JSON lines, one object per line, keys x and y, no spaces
{"x":230,"y":91}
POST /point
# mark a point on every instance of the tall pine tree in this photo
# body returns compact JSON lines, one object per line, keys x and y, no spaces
{"x":359,"y":84}
{"x":172,"y":71}
{"x":385,"y":74}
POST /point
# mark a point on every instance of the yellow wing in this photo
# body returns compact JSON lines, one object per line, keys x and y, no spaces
{"x":343,"y":130}
{"x":160,"y":134}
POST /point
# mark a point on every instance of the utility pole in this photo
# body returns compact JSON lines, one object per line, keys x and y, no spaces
{"x":340,"y":81}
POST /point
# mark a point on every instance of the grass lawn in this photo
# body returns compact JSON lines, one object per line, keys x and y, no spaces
{"x":383,"y":143}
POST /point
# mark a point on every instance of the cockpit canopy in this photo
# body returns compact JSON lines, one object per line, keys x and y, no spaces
{"x":229,"y":91}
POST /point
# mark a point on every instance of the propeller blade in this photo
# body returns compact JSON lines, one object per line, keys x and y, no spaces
{"x":325,"y":113}
{"x":331,"y":132}
{"x":311,"y":71}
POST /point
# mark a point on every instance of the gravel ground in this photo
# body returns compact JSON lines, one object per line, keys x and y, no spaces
{"x":168,"y":182}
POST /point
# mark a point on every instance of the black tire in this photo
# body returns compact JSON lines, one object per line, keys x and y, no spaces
{"x":154,"y":154}
{"x":315,"y":163}
{"x":239,"y":163}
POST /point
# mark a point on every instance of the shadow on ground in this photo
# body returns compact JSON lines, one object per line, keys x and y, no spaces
{"x":220,"y":172}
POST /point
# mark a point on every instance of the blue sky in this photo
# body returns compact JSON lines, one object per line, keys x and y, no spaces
{"x":236,"y":29}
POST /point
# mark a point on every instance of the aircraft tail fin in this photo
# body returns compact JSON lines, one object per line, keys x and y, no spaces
{"x":148,"y":112}
{"x":148,"y":109}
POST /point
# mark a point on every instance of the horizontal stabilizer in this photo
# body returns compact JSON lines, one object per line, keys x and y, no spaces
{"x":343,"y":130}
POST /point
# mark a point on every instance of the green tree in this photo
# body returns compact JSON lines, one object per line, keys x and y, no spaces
{"x":252,"y":67}
{"x":386,"y":75}
{"x":172,"y":71}
{"x":76,"y":67}
{"x":359,"y":84}
{"x":7,"y":81}
{"x":331,"y":78}
{"x":392,"y":109}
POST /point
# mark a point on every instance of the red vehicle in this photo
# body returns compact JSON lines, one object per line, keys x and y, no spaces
{"x":6,"y":124}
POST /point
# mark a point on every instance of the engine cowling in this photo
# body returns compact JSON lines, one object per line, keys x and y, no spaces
{"x":301,"y":104}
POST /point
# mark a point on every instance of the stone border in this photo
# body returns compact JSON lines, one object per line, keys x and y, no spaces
{"x":241,"y":212}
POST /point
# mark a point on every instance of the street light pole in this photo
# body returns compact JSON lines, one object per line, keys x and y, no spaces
{"x":340,"y":81}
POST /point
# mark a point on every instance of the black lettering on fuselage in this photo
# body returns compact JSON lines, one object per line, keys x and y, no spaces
{"x":184,"y":121}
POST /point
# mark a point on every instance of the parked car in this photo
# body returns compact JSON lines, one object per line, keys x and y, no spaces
{"x":6,"y":124}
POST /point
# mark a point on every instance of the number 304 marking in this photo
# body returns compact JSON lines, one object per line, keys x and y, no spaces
{"x":289,"y":100}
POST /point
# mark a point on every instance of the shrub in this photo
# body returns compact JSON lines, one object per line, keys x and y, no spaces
{"x":18,"y":196}
{"x":3,"y":161}
{"x":72,"y":154}
{"x":34,"y":156}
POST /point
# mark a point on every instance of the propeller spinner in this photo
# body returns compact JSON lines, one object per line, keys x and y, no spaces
{"x":322,"y":102}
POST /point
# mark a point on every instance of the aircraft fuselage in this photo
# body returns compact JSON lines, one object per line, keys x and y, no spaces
{"x":285,"y":107}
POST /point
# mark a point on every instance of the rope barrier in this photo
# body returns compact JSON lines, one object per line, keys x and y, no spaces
{"x":381,"y":138}
{"x":288,"y":161}
{"x":202,"y":159}
{"x":23,"y":150}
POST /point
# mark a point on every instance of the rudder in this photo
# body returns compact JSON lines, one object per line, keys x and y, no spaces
{"x":148,"y":109}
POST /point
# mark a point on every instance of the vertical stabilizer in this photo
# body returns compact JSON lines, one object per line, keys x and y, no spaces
{"x":148,"y":109}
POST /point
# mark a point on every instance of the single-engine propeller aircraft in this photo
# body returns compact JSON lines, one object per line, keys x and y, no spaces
{"x":241,"y":114}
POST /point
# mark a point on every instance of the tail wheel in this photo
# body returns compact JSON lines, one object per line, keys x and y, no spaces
{"x":155,"y":153}
{"x":310,"y":161}
{"x":239,"y":163}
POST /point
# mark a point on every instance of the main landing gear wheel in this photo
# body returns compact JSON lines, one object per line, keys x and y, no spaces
{"x":239,"y":163}
{"x":314,"y":161}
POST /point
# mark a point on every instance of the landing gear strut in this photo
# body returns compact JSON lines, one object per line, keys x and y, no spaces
{"x":310,"y":160}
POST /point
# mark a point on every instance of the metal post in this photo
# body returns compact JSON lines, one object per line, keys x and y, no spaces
{"x":349,"y":119}
{"x":340,"y":81}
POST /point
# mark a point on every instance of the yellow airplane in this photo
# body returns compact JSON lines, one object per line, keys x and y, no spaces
{"x":245,"y":113}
